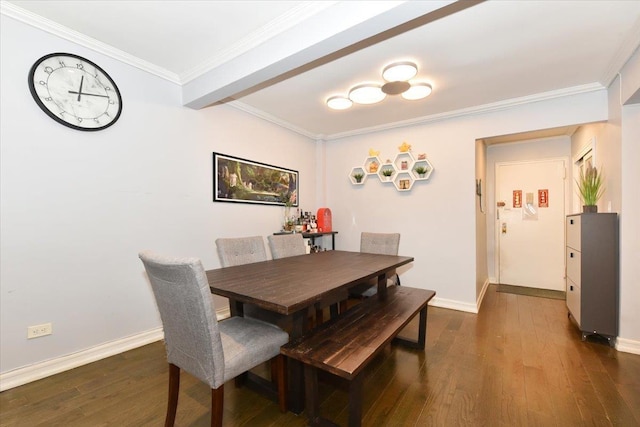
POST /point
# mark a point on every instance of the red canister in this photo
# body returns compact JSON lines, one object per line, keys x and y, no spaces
{"x":324,"y":220}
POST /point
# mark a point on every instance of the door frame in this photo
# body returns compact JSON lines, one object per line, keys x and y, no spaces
{"x":567,"y":201}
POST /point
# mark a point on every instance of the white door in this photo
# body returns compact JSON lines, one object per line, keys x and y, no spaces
{"x":531,"y":223}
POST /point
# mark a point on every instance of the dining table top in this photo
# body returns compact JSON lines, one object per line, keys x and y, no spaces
{"x":287,"y":285}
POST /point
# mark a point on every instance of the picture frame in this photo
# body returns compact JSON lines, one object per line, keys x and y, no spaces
{"x":237,"y":180}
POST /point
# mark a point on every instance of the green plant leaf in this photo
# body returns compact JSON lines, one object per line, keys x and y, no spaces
{"x":590,"y":186}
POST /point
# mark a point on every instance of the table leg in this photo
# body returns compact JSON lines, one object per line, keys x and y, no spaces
{"x":236,"y":307}
{"x":296,"y":378}
{"x":382,"y":286}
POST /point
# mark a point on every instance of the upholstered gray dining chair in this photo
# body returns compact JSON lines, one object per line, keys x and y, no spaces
{"x":240,"y":250}
{"x":286,"y":245}
{"x":196,"y":342}
{"x":377,"y":243}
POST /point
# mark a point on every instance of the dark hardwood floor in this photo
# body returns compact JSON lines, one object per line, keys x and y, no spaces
{"x":519,"y":362}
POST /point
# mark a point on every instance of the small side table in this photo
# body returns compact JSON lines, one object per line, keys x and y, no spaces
{"x":313,"y":236}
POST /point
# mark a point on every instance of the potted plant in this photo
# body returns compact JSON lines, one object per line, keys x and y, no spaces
{"x":358,"y":176}
{"x":590,"y":186}
{"x":289,"y":199}
{"x":420,"y":170}
{"x":387,"y":172}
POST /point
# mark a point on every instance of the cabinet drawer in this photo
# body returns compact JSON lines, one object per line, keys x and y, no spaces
{"x":573,"y":226}
{"x":574,"y":265}
{"x":573,"y":299}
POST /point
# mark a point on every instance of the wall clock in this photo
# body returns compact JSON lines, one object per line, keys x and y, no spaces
{"x":75,"y":92}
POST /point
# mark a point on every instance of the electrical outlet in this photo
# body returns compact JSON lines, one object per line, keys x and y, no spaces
{"x":38,"y":331}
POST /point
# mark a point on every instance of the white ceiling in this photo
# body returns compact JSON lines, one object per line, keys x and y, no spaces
{"x":484,"y":56}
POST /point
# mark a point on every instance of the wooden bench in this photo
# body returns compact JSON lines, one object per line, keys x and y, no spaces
{"x":345,"y":345}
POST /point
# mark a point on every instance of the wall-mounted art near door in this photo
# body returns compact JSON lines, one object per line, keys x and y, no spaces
{"x":517,"y":198}
{"x":239,"y":180}
{"x":543,"y":198}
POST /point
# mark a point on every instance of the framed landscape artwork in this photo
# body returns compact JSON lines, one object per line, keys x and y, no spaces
{"x":238,"y":180}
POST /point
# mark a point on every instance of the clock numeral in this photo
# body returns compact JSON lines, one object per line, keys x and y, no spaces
{"x":79,"y":119}
{"x":107,"y":88}
{"x":61,"y":64}
{"x":48,"y":70}
{"x":112,"y":102}
{"x":42,"y":82}
{"x":48,"y":99}
{"x":80,"y":66}
{"x":96,"y":120}
{"x":107,"y":114}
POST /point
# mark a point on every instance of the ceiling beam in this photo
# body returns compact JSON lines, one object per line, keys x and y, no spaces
{"x":332,"y":32}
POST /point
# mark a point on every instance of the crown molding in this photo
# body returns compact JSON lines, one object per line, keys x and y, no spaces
{"x":272,"y":119}
{"x":624,"y":52}
{"x":291,"y":18}
{"x":63,"y":32}
{"x":486,"y":108}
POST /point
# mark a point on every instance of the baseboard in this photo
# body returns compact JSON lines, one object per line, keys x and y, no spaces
{"x":628,"y":346}
{"x":27,"y":374}
{"x":454,"y":305}
{"x":37,"y":371}
{"x":223,"y":313}
{"x":483,"y":291}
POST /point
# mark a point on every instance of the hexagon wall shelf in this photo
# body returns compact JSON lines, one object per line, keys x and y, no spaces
{"x":406,"y":170}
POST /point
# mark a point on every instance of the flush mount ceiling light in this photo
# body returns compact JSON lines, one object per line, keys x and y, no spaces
{"x":397,"y":76}
{"x":367,"y":93}
{"x":339,"y":103}
{"x":417,"y":91}
{"x":399,"y":71}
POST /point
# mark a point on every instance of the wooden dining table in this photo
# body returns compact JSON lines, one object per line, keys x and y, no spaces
{"x":288,"y":288}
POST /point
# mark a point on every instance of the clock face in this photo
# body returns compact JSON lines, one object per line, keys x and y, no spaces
{"x":75,"y":92}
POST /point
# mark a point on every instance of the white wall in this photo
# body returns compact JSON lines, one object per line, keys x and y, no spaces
{"x":630,"y":232}
{"x":630,"y":201}
{"x":437,"y":218}
{"x":482,"y":273}
{"x":547,"y":148}
{"x":78,"y":206}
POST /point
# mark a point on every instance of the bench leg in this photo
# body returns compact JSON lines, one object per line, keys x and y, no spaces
{"x":355,"y":401}
{"x":312,"y":395}
{"x":422,"y":328}
{"x":422,"y":333}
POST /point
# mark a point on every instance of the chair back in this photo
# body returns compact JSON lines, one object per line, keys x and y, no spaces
{"x":241,"y":250}
{"x":383,"y":244}
{"x":380,"y":243}
{"x":286,"y":245}
{"x":184,"y":299}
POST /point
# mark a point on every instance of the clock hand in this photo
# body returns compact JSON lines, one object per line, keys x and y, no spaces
{"x":80,"y":90}
{"x":88,"y":94}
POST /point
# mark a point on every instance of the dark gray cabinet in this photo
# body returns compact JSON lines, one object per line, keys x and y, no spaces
{"x":592,"y":273}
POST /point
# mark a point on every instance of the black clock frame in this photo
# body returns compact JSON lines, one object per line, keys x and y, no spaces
{"x":54,"y":116}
